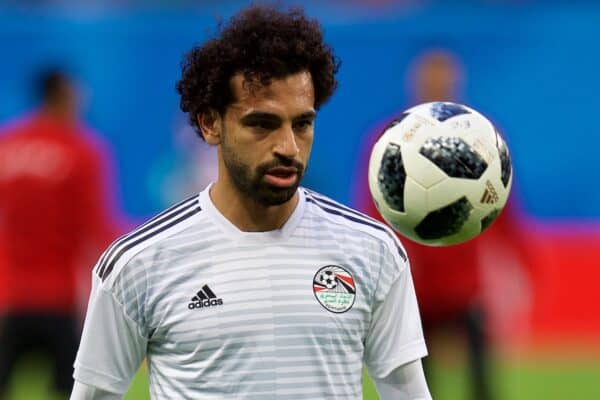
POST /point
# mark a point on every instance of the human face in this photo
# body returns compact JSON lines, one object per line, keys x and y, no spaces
{"x":267,"y":136}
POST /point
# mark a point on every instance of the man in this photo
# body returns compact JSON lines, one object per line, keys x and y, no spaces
{"x":53,"y":220}
{"x":255,"y":288}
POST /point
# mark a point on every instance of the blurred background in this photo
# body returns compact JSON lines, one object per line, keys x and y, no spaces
{"x":529,"y":66}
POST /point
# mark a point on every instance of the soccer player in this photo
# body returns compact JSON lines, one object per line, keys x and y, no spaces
{"x":53,"y":214}
{"x":256,"y":288}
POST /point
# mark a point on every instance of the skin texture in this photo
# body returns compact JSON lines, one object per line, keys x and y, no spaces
{"x":264,"y":139}
{"x":437,"y":77}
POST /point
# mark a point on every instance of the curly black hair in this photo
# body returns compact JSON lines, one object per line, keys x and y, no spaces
{"x":262,"y":43}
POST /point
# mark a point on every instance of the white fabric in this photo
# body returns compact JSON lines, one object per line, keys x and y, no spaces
{"x":111,"y":348}
{"x":404,"y":383}
{"x":264,"y":332}
{"x":395,"y":336}
{"x":81,"y":391}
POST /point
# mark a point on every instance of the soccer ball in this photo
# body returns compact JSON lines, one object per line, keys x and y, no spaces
{"x":440,"y":173}
{"x":327,"y":278}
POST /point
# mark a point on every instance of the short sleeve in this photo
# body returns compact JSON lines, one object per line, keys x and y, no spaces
{"x":395,"y":335}
{"x":112,"y":344}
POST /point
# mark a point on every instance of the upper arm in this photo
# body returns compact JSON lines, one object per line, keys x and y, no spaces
{"x":395,"y":334}
{"x":113,"y":344}
{"x":81,"y":391}
{"x":406,"y":382}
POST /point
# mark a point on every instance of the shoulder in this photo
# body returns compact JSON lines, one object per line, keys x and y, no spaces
{"x":19,"y":123}
{"x":89,"y":144}
{"x":354,"y":222}
{"x":15,"y":128}
{"x":123,"y":251}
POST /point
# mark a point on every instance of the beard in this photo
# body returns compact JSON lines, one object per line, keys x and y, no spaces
{"x":252,"y":184}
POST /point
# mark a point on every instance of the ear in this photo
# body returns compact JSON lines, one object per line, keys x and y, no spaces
{"x":211,"y":125}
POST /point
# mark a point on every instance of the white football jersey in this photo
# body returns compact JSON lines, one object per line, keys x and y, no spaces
{"x":219,"y":313}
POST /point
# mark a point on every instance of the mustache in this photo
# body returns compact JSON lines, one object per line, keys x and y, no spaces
{"x":281,"y":162}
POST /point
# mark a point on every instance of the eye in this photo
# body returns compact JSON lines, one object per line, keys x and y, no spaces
{"x":303,"y":125}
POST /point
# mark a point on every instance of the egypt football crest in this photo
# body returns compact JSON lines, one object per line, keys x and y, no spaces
{"x":334,"y":288}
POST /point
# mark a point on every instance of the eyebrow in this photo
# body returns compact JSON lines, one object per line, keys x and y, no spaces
{"x":307,"y":115}
{"x":265,"y":116}
{"x":259,"y":116}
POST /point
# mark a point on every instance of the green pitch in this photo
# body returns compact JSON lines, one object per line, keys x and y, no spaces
{"x":513,"y":380}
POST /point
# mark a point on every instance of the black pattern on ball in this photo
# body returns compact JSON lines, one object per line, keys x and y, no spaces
{"x":444,"y":111}
{"x":505,"y":164}
{"x":394,"y":122}
{"x":488,"y":219}
{"x":455,"y":157}
{"x":445,"y":221}
{"x":392,"y":177}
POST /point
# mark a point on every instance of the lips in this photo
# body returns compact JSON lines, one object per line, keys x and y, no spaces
{"x":282,"y":176}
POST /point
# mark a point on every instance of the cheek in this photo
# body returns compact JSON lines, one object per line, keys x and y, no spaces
{"x":243,"y":152}
{"x":305,"y":144}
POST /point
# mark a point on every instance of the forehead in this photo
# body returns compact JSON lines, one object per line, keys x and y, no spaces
{"x":291,"y":94}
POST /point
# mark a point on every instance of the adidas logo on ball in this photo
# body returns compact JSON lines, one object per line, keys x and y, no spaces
{"x":490,"y":196}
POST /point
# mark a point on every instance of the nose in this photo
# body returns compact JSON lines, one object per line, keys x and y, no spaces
{"x":285,"y":142}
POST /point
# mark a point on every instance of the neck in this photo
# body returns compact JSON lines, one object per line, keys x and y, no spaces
{"x":245,"y":213}
{"x":59,"y":112}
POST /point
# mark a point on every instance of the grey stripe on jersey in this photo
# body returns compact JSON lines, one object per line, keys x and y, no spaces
{"x":260,"y":330}
{"x":149,"y":224}
{"x":158,"y":224}
{"x":335,"y":208}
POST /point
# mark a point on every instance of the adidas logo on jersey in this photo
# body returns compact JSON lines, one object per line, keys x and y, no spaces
{"x":205,"y":298}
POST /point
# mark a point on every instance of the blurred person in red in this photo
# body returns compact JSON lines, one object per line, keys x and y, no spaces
{"x":447,"y":279}
{"x":54,"y":218}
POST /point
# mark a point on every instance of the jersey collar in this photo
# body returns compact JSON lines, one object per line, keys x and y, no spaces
{"x":234,"y":232}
